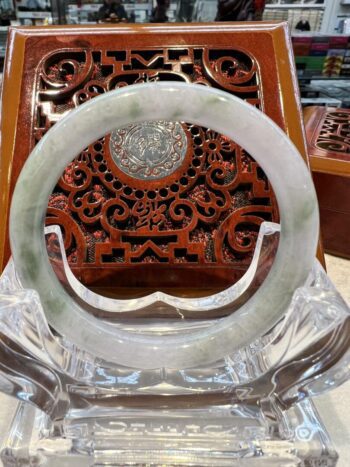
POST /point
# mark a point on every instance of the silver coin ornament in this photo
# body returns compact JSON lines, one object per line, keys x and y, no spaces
{"x":149,"y":150}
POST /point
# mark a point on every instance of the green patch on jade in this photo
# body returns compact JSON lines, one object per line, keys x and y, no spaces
{"x":177,"y":114}
{"x":56,"y":306}
{"x":31,"y":262}
{"x":305,"y":211}
{"x":135,"y":109}
{"x":213,"y":100}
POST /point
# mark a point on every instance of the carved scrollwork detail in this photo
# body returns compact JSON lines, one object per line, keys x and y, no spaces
{"x":74,"y":239}
{"x":92,"y":89}
{"x":236,"y":237}
{"x":64,"y":71}
{"x":200,"y":200}
{"x":114,"y":215}
{"x":77,"y":176}
{"x":334,"y":134}
{"x":232,"y":70}
{"x":88,"y":206}
{"x":183,"y":213}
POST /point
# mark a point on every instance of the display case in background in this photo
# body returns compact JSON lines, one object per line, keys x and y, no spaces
{"x":88,"y":12}
{"x":326,"y":16}
{"x":43,"y":12}
{"x":33,"y":12}
{"x":302,"y":15}
{"x":320,"y":32}
{"x":323,"y":68}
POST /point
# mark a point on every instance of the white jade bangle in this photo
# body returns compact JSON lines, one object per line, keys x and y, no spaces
{"x":169,"y":101}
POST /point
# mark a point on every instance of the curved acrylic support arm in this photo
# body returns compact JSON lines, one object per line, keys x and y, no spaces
{"x":215,"y":305}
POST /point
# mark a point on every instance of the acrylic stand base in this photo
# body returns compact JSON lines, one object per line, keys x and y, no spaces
{"x":228,"y":435}
{"x":252,"y":408}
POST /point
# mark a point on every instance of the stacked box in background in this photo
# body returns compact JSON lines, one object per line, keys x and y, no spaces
{"x":317,"y":55}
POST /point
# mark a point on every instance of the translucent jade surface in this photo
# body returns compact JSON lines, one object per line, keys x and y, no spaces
{"x":171,"y":101}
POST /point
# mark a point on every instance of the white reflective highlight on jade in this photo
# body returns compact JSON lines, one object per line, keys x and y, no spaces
{"x":203,"y":106}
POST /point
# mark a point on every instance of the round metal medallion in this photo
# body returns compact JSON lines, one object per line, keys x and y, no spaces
{"x":149,"y":150}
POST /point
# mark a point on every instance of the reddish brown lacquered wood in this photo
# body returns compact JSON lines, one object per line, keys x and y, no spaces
{"x":199,"y":222}
{"x":328,"y":139}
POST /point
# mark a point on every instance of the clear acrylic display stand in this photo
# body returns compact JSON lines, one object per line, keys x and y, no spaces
{"x":252,"y":408}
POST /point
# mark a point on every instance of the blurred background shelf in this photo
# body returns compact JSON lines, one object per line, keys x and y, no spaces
{"x":322,"y":54}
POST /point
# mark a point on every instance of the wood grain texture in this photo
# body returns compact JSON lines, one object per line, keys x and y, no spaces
{"x":65,"y":66}
{"x":328,"y":139}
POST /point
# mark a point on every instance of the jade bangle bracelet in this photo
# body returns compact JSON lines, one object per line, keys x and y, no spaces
{"x":166,"y":101}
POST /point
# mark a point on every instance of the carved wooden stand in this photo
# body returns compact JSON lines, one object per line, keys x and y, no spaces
{"x":328,"y":134}
{"x":191,"y":228}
